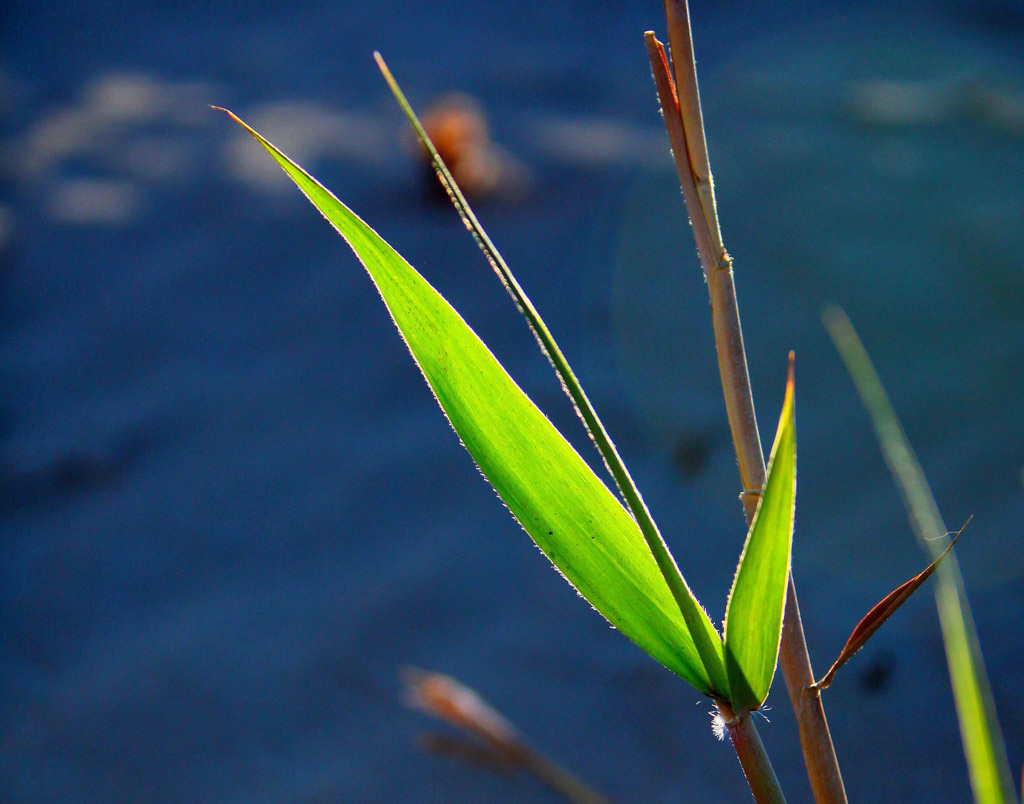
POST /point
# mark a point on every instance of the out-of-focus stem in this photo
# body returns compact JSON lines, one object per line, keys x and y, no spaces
{"x":680,"y":103}
{"x":560,"y":780}
{"x":448,"y":699}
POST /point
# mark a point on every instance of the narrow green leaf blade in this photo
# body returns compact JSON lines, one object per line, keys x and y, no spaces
{"x":987,"y":762}
{"x":564,"y":507}
{"x":706,"y":638}
{"x":753,"y":617}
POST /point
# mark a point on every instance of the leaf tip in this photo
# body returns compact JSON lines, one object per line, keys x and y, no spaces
{"x":790,"y":395}
{"x":240,"y":121}
{"x":831,"y":311}
{"x":385,"y":70}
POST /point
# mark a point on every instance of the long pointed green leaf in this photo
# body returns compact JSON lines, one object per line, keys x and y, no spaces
{"x":709,"y":644}
{"x":987,"y":763}
{"x":753,"y":617}
{"x":571,"y":515}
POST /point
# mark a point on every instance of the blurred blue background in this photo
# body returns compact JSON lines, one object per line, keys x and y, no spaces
{"x":231,"y":511}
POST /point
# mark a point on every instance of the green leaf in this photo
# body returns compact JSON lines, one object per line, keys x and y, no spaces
{"x":709,"y":644}
{"x":570,"y":514}
{"x":753,"y":617}
{"x":987,"y":763}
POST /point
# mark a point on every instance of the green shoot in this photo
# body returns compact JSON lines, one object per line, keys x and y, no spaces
{"x":753,"y":618}
{"x":987,"y":763}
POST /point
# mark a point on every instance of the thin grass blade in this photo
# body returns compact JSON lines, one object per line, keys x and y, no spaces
{"x":881,"y":612}
{"x":565,"y":508}
{"x":706,"y":638}
{"x":987,"y":763}
{"x":753,"y":617}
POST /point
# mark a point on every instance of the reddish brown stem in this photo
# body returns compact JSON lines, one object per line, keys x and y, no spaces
{"x":753,"y":759}
{"x":684,"y":123}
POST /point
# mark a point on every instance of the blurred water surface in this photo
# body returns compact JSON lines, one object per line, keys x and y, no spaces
{"x":230,"y":509}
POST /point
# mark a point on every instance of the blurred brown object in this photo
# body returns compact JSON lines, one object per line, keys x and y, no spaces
{"x":495,"y":744}
{"x":449,"y":700}
{"x":458,"y":127}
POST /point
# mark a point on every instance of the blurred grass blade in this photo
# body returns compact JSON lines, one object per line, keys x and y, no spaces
{"x":987,"y":763}
{"x":881,"y":612}
{"x":452,"y":701}
{"x":753,"y":617}
{"x":571,"y":515}
{"x":465,"y":751}
{"x":706,"y":639}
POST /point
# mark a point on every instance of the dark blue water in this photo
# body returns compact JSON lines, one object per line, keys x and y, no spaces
{"x":231,"y":511}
